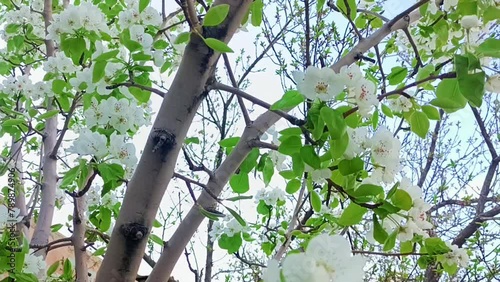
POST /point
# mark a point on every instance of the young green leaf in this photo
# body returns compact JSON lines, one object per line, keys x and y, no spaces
{"x":216,"y":15}
{"x":419,"y":123}
{"x":290,"y":100}
{"x":218,"y":45}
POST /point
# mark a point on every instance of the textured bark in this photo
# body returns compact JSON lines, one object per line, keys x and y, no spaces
{"x":49,"y":166}
{"x":155,"y":169}
{"x":78,"y":239}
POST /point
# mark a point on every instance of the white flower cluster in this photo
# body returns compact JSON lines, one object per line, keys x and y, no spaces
{"x":22,"y":85}
{"x":327,"y":258}
{"x":121,"y":114}
{"x":59,"y":63}
{"x":131,"y":16}
{"x":95,"y":144}
{"x":400,"y":104}
{"x":269,"y":196}
{"x":413,"y":222}
{"x":35,"y":265}
{"x":23,"y":16}
{"x":456,"y":256}
{"x":384,"y":148}
{"x":325,"y":84}
{"x":74,"y":18}
{"x":94,"y":198}
{"x":229,"y":226}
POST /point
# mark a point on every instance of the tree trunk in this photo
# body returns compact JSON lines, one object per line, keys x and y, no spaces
{"x":156,"y":166}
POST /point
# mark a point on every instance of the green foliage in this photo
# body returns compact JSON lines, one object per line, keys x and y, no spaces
{"x":216,"y":15}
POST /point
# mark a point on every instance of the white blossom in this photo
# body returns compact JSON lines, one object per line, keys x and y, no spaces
{"x":364,"y":95}
{"x":327,"y":258}
{"x":456,"y":256}
{"x":150,"y":16}
{"x":493,"y":84}
{"x":272,"y":272}
{"x":350,"y":75}
{"x":323,"y":84}
{"x":35,"y":265}
{"x":357,"y":142}
{"x":124,"y":152}
{"x":90,"y":143}
{"x":400,"y":104}
{"x":470,"y":21}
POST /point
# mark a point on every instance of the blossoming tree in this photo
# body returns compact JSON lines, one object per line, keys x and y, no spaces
{"x":350,"y":191}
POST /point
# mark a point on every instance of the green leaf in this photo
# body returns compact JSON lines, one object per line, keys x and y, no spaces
{"x":239,"y":183}
{"x":402,"y":200}
{"x":351,"y":8}
{"x":419,"y":123}
{"x":143,"y":4}
{"x":472,"y":87}
{"x":287,"y":174}
{"x":391,"y":241}
{"x":290,"y":145}
{"x":490,"y":48}
{"x":425,"y":72}
{"x":448,"y":96}
{"x":347,"y":167}
{"x":216,"y":15}
{"x":156,"y":239}
{"x":212,"y":215}
{"x":298,"y":165}
{"x":431,"y":112}
{"x":48,"y":114}
{"x":237,"y":216}
{"x":231,"y":244}
{"x":105,"y":218}
{"x":58,"y":86}
{"x":99,"y":252}
{"x":397,"y":75}
{"x":257,"y":8}
{"x":229,"y":142}
{"x":352,"y":215}
{"x":406,"y":247}
{"x":319,"y":5}
{"x":218,"y":45}
{"x":52,"y":269}
{"x":56,"y":227}
{"x":338,"y":147}
{"x":183,"y":37}
{"x":262,"y":208}
{"x":379,"y":233}
{"x":160,"y":44}
{"x":315,"y":201}
{"x":387,"y":111}
{"x":436,"y":246}
{"x":192,"y":140}
{"x":110,"y":172}
{"x":293,"y":186}
{"x":250,"y":161}
{"x":99,"y":71}
{"x":290,"y":100}
{"x":268,"y":170}
{"x":142,"y":96}
{"x":334,"y":121}
{"x":291,"y":131}
{"x":310,"y":157}
{"x":106,"y":56}
{"x":367,"y":190}
{"x":490,"y":14}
